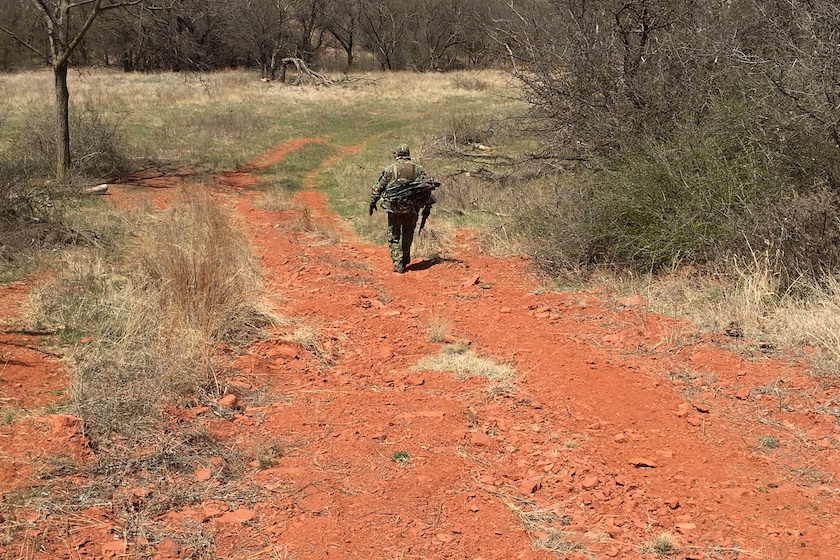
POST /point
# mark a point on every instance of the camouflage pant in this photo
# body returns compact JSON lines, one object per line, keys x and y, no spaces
{"x":400,"y":235}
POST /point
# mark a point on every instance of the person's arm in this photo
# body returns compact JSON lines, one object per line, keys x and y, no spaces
{"x":378,"y":188}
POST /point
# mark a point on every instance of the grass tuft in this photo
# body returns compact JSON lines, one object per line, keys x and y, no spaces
{"x":663,"y":544}
{"x":464,"y":364}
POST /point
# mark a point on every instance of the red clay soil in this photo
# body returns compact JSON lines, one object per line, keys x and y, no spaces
{"x":624,"y":424}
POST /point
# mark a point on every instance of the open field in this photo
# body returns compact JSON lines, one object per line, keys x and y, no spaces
{"x":232,"y":371}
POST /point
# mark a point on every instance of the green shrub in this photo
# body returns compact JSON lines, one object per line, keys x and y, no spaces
{"x":734,"y":179}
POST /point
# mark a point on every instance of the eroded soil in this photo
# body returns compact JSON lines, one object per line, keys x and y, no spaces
{"x":622,"y":424}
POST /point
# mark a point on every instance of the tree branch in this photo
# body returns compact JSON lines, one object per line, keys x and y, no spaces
{"x":41,"y":5}
{"x":25,"y":44}
{"x":65,"y":56}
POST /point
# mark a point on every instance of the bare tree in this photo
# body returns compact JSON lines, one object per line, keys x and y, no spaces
{"x":800,"y":54}
{"x":387,"y":27}
{"x":597,"y":71}
{"x":342,"y":22}
{"x":59,"y":17}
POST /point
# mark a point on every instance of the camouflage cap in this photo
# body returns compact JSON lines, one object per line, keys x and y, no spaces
{"x":402,"y":151}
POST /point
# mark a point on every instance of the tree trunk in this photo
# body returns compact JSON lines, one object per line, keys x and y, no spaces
{"x":62,"y":116}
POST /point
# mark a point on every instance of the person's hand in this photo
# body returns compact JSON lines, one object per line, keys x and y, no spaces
{"x":372,"y":208}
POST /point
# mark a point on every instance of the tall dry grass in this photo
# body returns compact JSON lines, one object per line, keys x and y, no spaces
{"x":749,"y":304}
{"x":154,"y":322}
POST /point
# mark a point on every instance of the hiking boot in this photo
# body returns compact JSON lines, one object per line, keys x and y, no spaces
{"x":399,"y":269}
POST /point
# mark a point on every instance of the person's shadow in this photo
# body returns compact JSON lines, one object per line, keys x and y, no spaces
{"x":429,"y":263}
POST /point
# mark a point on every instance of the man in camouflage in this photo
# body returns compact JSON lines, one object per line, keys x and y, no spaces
{"x":402,"y":211}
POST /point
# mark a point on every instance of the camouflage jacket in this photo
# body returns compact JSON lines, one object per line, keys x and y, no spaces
{"x":402,"y":170}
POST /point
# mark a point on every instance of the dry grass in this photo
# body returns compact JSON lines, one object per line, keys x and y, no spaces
{"x":305,"y":221}
{"x":751,"y":303}
{"x":540,"y":520}
{"x":663,"y":544}
{"x":438,"y":329}
{"x":313,"y":341}
{"x":464,"y":364}
{"x":189,"y":284}
{"x":140,"y":481}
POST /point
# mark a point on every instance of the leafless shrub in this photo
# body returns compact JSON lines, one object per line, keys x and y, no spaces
{"x":98,"y":150}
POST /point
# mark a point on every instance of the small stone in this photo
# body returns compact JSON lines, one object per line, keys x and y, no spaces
{"x":672,"y":502}
{"x":684,"y":527}
{"x":696,"y":422}
{"x":480,"y":439}
{"x":415,"y":380}
{"x":238,"y":516}
{"x":472,"y":281}
{"x":115,"y":547}
{"x":228,"y":401}
{"x":285,"y":352}
{"x":590,"y":482}
{"x":620,"y":438}
{"x":682,"y":410}
{"x":505,"y":310}
{"x":743,"y":394}
{"x":203,"y":474}
{"x":443,"y":537}
{"x":167,"y":547}
{"x":701,"y":407}
{"x":643,"y":463}
{"x":530,"y":485}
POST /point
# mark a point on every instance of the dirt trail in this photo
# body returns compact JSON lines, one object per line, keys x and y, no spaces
{"x":625,"y":424}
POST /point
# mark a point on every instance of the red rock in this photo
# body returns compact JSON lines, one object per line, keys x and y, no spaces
{"x":238,"y":516}
{"x":472,"y":281}
{"x":86,"y":340}
{"x":285,"y":352}
{"x":167,"y":548}
{"x":228,"y":401}
{"x":415,"y":380}
{"x":682,"y":410}
{"x":696,"y":422}
{"x":62,"y":421}
{"x":632,"y":301}
{"x":590,"y":482}
{"x":530,"y":485}
{"x":505,"y":310}
{"x":480,"y":439}
{"x":672,"y":502}
{"x":203,"y":474}
{"x":683,"y":527}
{"x":114,"y":547}
{"x":743,"y":393}
{"x":701,"y":407}
{"x":643,"y":463}
{"x":620,"y":438}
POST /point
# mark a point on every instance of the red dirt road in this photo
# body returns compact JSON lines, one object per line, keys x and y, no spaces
{"x":624,"y":424}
